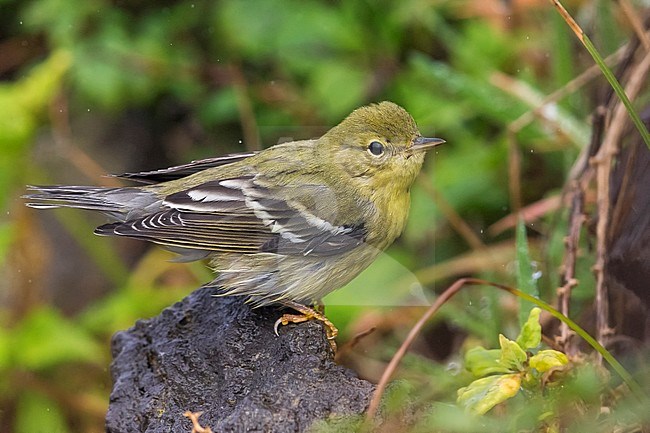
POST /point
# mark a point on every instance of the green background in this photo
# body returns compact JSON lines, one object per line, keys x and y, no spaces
{"x":90,"y":87}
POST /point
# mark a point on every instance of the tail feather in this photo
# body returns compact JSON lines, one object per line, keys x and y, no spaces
{"x":119,"y":203}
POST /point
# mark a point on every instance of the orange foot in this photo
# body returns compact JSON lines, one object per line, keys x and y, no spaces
{"x":307,"y":313}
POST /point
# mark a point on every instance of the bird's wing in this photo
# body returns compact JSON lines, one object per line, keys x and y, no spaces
{"x":179,"y":171}
{"x":240,"y":216}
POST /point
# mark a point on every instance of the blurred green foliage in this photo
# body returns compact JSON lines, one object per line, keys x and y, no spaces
{"x":237,"y":72}
{"x":22,"y":104}
{"x":502,"y":372}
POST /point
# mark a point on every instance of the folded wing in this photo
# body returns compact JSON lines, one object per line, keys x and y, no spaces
{"x":179,"y":171}
{"x":240,"y":216}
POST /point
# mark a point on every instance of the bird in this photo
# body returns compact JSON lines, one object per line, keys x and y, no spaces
{"x":282,"y":226}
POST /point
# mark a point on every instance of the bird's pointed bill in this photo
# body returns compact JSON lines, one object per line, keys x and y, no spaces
{"x":425,"y":143}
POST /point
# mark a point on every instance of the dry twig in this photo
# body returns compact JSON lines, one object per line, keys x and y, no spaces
{"x":529,"y":213}
{"x":603,"y":162}
{"x":571,"y":242}
{"x":196,"y":427}
{"x":633,"y":17}
{"x":392,"y":366}
{"x":541,"y":112}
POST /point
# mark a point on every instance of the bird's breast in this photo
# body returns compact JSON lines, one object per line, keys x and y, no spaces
{"x":389,"y":219}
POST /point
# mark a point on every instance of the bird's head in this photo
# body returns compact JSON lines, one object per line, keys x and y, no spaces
{"x":379,"y":146}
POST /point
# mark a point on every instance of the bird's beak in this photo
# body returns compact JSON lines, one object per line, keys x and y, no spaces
{"x":424,"y":143}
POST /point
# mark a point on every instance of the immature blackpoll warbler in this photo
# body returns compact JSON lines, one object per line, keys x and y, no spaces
{"x":286,"y":225}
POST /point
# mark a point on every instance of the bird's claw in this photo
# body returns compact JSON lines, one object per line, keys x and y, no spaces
{"x":277,"y":324}
{"x":306,"y":314}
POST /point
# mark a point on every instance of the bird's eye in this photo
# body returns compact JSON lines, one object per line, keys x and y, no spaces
{"x":376,"y":148}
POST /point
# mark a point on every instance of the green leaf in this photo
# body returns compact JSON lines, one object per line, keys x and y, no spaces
{"x":531,"y":333}
{"x":45,"y":339}
{"x":525,"y":280}
{"x":483,"y":394}
{"x":548,"y":359}
{"x":512,"y":355}
{"x":482,"y":362}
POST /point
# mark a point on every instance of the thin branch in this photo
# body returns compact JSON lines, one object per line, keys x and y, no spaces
{"x":392,"y":366}
{"x":549,"y":114}
{"x":569,"y":20}
{"x":540,"y":111}
{"x":571,"y":242}
{"x":493,"y":258}
{"x":603,"y":161}
{"x":570,"y":87}
{"x":625,"y":99}
{"x":580,"y":177}
{"x":633,"y":17}
{"x":447,"y":295}
{"x":349,"y":345}
{"x":529,"y":213}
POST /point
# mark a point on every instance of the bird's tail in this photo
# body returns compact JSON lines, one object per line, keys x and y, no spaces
{"x":119,"y":203}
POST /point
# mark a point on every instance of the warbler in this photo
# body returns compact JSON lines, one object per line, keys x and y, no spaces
{"x":286,"y":225}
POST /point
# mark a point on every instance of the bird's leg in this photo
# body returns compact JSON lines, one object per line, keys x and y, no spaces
{"x":306,"y":313}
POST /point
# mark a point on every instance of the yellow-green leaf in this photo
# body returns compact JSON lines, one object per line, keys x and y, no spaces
{"x":544,"y":360}
{"x":483,"y":394}
{"x":23,"y":101}
{"x":531,"y":332}
{"x":512,"y":356}
{"x":481,"y":362}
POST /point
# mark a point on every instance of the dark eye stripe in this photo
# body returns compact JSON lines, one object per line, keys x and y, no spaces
{"x":376,"y":148}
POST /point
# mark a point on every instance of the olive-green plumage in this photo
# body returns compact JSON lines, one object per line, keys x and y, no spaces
{"x":290,"y":223}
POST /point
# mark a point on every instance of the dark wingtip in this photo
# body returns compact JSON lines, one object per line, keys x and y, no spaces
{"x":106,"y":229}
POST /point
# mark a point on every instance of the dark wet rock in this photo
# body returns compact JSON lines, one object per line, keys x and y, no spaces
{"x":217,"y":356}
